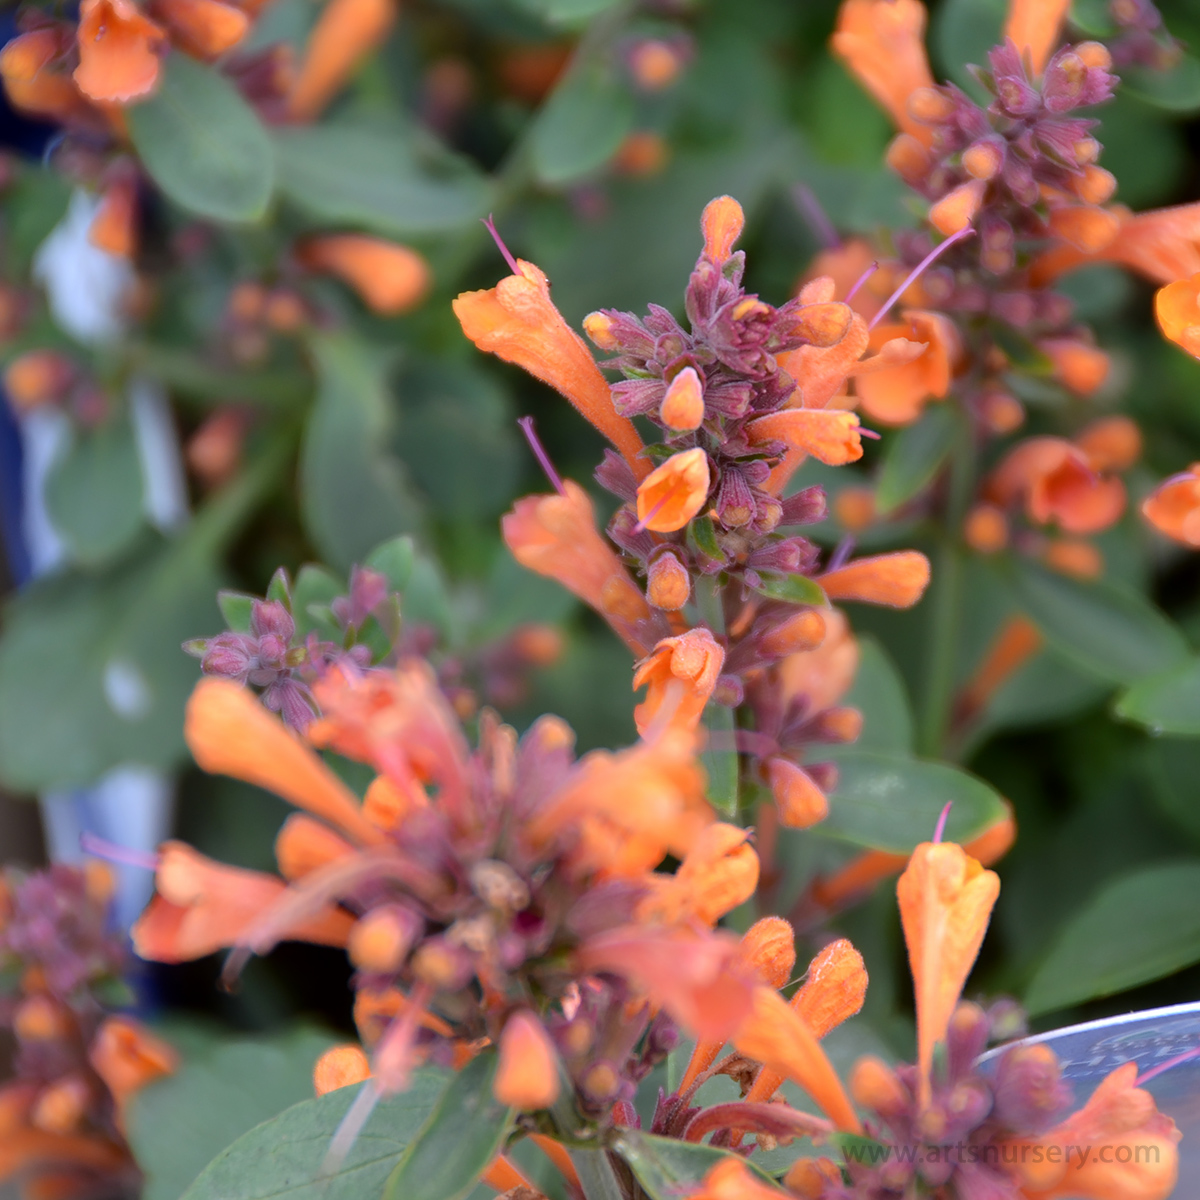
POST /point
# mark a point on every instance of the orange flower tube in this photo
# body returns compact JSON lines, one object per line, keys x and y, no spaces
{"x":1035,"y":26}
{"x":683,"y":670}
{"x":345,"y":33}
{"x":391,"y":279}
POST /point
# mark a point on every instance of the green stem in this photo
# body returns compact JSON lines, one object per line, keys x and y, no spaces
{"x":945,"y":616}
{"x":596,"y":1175}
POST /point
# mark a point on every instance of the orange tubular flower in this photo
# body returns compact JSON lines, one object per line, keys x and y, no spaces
{"x":698,"y":978}
{"x":230,"y":733}
{"x":897,"y":580}
{"x":1058,"y":483}
{"x":830,"y":435}
{"x":1173,"y":507}
{"x":118,"y":51}
{"x":1118,"y":1115}
{"x":896,"y":395}
{"x":128,"y":1057}
{"x":527,"y":1077}
{"x":114,"y":228}
{"x":202,"y":906}
{"x":517,"y":321}
{"x":800,"y":802}
{"x":776,"y":1035}
{"x":1177,"y":309}
{"x":205,"y":28}
{"x":719,"y":872}
{"x":682,"y":672}
{"x":556,"y":536}
{"x":345,"y":33}
{"x":304,"y":845}
{"x":390,"y":279}
{"x":1035,"y":26}
{"x":946,"y":899}
{"x":883,"y":44}
{"x":339,"y":1067}
{"x":1017,"y":642}
{"x":672,"y":494}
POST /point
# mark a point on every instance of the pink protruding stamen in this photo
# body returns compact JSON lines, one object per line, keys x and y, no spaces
{"x":918,"y":270}
{"x":841,"y":554}
{"x":1179,"y":1059}
{"x":940,"y":829}
{"x":810,"y":206}
{"x":539,"y":452}
{"x":860,"y":281}
{"x":650,"y":515}
{"x":489,"y":224}
{"x":869,"y":433}
{"x":124,"y":856}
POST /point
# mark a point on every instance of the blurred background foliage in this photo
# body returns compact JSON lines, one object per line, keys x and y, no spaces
{"x":353,"y":428}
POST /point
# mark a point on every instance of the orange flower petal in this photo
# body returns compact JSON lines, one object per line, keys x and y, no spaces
{"x":721,"y":223}
{"x":821,"y":372}
{"x":1111,"y":443}
{"x":777,"y":1036}
{"x":345,"y":33}
{"x":517,"y":321}
{"x":118,"y":51}
{"x":205,"y":28}
{"x":682,"y":671}
{"x":834,"y":989}
{"x":897,"y":580}
{"x":303,"y":845}
{"x":673,"y":493}
{"x":957,"y":209}
{"x":114,"y":227}
{"x":800,"y":802}
{"x":1078,"y":365}
{"x":390,"y":279}
{"x":1086,"y":227}
{"x":1173,"y":507}
{"x":128,"y":1057}
{"x":1177,"y":309}
{"x":883,"y":44}
{"x":230,"y":733}
{"x":527,"y":1077}
{"x":894,"y":385}
{"x":1036,"y":26}
{"x":556,"y":536}
{"x":830,"y":435}
{"x":946,"y":899}
{"x":503,"y":1175}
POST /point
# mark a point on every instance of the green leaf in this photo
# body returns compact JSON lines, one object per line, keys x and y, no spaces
{"x":94,"y":493}
{"x":314,"y":590}
{"x":1168,"y":702}
{"x":203,"y":144}
{"x":1136,"y":929}
{"x":224,"y":1087}
{"x":963,"y":33}
{"x":394,"y":560}
{"x":668,"y":1168}
{"x":703,"y":534}
{"x":791,"y":589}
{"x":236,"y":608}
{"x":1174,"y":766}
{"x":879,"y":694}
{"x":721,"y":762}
{"x":379,"y":175}
{"x":1176,"y":90}
{"x":463,"y":1134}
{"x":354,"y":494}
{"x":892,"y":803}
{"x":566,"y":12}
{"x":581,"y":125}
{"x":1116,"y":634}
{"x":283,"y":1157}
{"x":1093,"y":17}
{"x":914,"y":456}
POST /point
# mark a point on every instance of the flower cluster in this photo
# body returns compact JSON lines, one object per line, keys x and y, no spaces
{"x":733,"y":607}
{"x":506,"y":893}
{"x":75,"y":1067}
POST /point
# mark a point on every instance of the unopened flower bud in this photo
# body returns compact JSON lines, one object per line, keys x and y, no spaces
{"x":41,"y":1019}
{"x":1029,"y":1090}
{"x":1074,"y":557}
{"x":1111,"y":443}
{"x":578,"y":1037}
{"x":643,"y":152}
{"x":247,"y":302}
{"x":1096,"y":185}
{"x":683,"y":405}
{"x":800,"y":801}
{"x":1001,"y":412}
{"x":874,"y":1085}
{"x":769,"y":948}
{"x":735,"y":502}
{"x":537,"y":644}
{"x":966,"y":1036}
{"x":1079,"y":366}
{"x":601,"y":1081}
{"x":1094,"y":56}
{"x":380,"y":940}
{"x":983,"y":159}
{"x":986,"y":529}
{"x":729,"y":691}
{"x":36,"y":378}
{"x":668,"y":584}
{"x":841,"y":724}
{"x":908,"y":158}
{"x":655,"y":64}
{"x":599,"y":327}
{"x":812,"y":1178}
{"x":956,"y":210}
{"x":60,"y":1108}
{"x":854,"y":507}
{"x":444,"y":966}
{"x":527,"y":1077}
{"x":339,"y":1067}
{"x":804,"y":630}
{"x":930,"y":105}
{"x":285,"y":311}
